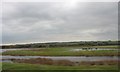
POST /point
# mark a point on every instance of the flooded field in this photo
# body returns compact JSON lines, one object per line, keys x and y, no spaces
{"x":7,"y":58}
{"x":61,"y":57}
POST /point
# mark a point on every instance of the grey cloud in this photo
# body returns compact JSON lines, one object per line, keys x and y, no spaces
{"x":35,"y":22}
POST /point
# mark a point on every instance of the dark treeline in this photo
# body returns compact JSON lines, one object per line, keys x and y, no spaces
{"x":62,"y":44}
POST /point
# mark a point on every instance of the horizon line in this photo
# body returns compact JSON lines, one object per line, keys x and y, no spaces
{"x":52,"y":42}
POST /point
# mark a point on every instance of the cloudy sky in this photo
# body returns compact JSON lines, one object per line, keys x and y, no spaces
{"x":28,"y":22}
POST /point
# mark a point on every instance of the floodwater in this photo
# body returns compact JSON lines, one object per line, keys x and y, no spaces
{"x":70,"y":58}
{"x":3,"y":50}
{"x":92,"y":49}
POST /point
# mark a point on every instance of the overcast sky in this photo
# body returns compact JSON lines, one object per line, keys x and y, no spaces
{"x":28,"y":22}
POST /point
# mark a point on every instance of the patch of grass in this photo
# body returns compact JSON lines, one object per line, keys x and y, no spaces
{"x":61,"y":52}
{"x":23,"y":66}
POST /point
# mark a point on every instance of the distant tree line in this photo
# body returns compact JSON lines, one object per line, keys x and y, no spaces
{"x":62,"y":44}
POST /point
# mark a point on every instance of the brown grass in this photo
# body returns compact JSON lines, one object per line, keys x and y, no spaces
{"x":105,"y":62}
{"x":47,"y":61}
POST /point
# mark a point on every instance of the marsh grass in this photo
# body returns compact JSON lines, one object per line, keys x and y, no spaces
{"x":47,"y":61}
{"x":104,"y":62}
{"x":61,"y":52}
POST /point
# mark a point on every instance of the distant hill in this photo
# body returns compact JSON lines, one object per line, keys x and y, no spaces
{"x":62,"y":44}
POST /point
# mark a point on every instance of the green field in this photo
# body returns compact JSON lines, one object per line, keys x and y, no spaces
{"x":23,"y":66}
{"x":68,"y":51}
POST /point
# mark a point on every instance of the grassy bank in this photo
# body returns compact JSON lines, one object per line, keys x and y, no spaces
{"x":23,"y":66}
{"x":61,"y":52}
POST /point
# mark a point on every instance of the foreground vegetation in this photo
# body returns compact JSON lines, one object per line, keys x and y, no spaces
{"x":23,"y":66}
